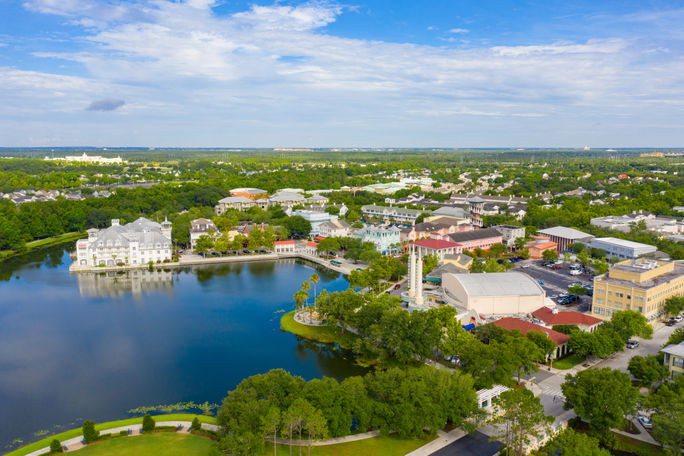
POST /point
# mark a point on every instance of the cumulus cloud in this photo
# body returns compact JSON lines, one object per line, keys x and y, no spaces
{"x":458,"y":30}
{"x":105,"y":105}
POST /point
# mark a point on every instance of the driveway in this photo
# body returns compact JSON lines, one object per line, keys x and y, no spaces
{"x":476,"y":444}
{"x":646,"y":347}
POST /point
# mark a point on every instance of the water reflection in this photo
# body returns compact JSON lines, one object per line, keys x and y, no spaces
{"x":116,"y":284}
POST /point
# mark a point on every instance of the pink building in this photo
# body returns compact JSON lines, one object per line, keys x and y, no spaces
{"x":471,"y":240}
{"x":428,"y":229}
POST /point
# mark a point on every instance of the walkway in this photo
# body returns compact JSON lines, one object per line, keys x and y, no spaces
{"x":333,"y":441}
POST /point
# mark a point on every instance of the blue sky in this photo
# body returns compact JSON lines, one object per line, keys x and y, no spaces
{"x":373,"y":73}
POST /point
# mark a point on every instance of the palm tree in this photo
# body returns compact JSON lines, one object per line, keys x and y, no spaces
{"x":305,"y":288}
{"x":300,"y":297}
{"x":314,"y":279}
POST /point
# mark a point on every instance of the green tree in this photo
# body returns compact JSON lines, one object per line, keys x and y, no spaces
{"x":674,"y":305}
{"x":298,"y":226}
{"x":667,"y":405}
{"x":314,"y":279}
{"x":316,"y":428}
{"x":196,"y":425}
{"x":148,"y":423}
{"x":601,"y":396}
{"x":422,"y":217}
{"x":55,"y":446}
{"x":541,"y":340}
{"x":203,"y":244}
{"x":300,"y":298}
{"x":222,"y":244}
{"x":519,"y":419}
{"x":630,"y":323}
{"x":430,"y":263}
{"x":497,"y":249}
{"x":576,"y":247}
{"x":549,"y":255}
{"x":522,"y":353}
{"x":676,"y":337}
{"x":89,"y":432}
{"x":272,"y":422}
{"x":647,"y":369}
{"x":520,"y":243}
{"x":353,"y":216}
{"x":578,"y":290}
{"x":571,"y":443}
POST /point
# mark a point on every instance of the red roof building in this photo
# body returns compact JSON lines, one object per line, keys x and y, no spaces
{"x":437,"y":247}
{"x":558,"y":338}
{"x":553,"y":317}
{"x":284,"y":242}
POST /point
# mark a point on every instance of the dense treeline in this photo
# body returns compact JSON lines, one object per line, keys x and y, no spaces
{"x":408,"y":402}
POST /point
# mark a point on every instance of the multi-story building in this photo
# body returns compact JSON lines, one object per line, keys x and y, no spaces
{"x":316,"y":219}
{"x":241,"y":203}
{"x":136,"y":243}
{"x":621,"y":248}
{"x":202,"y":227}
{"x":642,"y":285}
{"x":334,"y":228}
{"x":249,"y":192}
{"x":389,"y":213}
{"x":564,"y":237}
{"x":674,"y":359}
{"x":425,"y":229}
{"x":471,"y":240}
{"x":385,"y":238}
{"x":510,"y":233}
{"x":437,"y":247}
{"x":651,"y":222}
{"x":286,"y":199}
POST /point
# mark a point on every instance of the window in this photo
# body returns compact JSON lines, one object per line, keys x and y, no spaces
{"x":677,"y":362}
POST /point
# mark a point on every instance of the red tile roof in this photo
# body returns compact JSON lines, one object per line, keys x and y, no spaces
{"x":546,"y":315}
{"x":319,"y":238}
{"x":312,"y":244}
{"x":283,"y":242}
{"x":523,"y":326}
{"x":544,"y":245}
{"x":435,"y":244}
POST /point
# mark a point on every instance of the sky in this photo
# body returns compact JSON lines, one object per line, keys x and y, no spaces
{"x":366,"y":73}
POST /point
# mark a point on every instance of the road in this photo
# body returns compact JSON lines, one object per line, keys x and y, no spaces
{"x":476,"y":444}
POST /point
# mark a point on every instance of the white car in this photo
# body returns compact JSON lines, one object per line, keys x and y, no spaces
{"x":678,"y":318}
{"x":525,"y":266}
{"x":575,"y":272}
{"x":645,"y":421}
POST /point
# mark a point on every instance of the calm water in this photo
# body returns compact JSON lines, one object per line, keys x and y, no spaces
{"x":76,"y":347}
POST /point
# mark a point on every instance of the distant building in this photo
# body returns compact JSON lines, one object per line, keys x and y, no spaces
{"x":316,"y":219}
{"x":653,"y":223}
{"x":642,"y":285}
{"x":240,"y":203}
{"x":621,"y":248}
{"x":390,"y":213}
{"x":510,"y":233}
{"x":524,"y":326}
{"x":249,"y":192}
{"x":202,"y":227}
{"x":674,"y":359}
{"x":564,"y":237}
{"x":385,"y":238}
{"x":85,"y":158}
{"x":136,"y":243}
{"x":286,"y":199}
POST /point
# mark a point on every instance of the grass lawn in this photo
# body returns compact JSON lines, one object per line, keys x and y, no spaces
{"x":637,"y":447}
{"x":111,"y":424}
{"x":167,"y":444}
{"x":569,"y":361}
{"x":4,"y":254}
{"x":377,"y":446}
{"x":324,"y":334}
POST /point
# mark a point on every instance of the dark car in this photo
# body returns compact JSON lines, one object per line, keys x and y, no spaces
{"x":246,"y":251}
{"x":671,"y":322}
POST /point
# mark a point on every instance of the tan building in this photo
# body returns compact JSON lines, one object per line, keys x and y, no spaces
{"x":642,"y":285}
{"x":674,"y":359}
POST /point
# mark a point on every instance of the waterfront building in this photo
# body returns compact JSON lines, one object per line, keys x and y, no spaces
{"x":385,"y":238}
{"x":202,"y":227}
{"x":334,"y":228}
{"x":390,"y":213}
{"x":249,"y":192}
{"x":674,"y":359}
{"x":642,"y":285}
{"x":564,"y":237}
{"x":240,"y":203}
{"x":136,"y":243}
{"x":621,"y":248}
{"x":284,"y":246}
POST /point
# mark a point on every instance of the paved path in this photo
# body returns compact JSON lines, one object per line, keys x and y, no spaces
{"x":443,"y":439}
{"x":333,"y":441}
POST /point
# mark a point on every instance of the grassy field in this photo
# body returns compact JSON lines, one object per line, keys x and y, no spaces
{"x":167,"y":444}
{"x":4,"y":254}
{"x":324,"y":334}
{"x":111,"y":424}
{"x":569,"y":361}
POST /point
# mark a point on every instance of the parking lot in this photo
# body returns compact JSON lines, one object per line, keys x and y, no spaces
{"x":555,"y":281}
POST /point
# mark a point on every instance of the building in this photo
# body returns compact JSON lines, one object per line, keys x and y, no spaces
{"x":642,"y":285}
{"x":621,"y":248}
{"x":389,"y":213}
{"x":450,"y":211}
{"x":284,"y":246}
{"x":310,"y":248}
{"x":286,"y":199}
{"x":385,"y":238}
{"x":336,"y":228}
{"x":134,"y":244}
{"x":459,"y":260}
{"x":674,"y":359}
{"x":553,"y":317}
{"x":202,"y":227}
{"x":539,"y":245}
{"x":524,"y":326}
{"x":249,"y":192}
{"x":316,"y":219}
{"x":653,"y":223}
{"x":510,"y":233}
{"x":240,"y":203}
{"x":426,"y":229}
{"x":564,"y":237}
{"x":85,"y":158}
{"x":471,"y":240}
{"x":438,"y":247}
{"x":499,"y":293}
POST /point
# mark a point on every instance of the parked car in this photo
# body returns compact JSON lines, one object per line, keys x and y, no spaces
{"x":540,"y":283}
{"x":575,"y":272}
{"x":678,"y":318}
{"x":633,"y":344}
{"x":397,"y":286}
{"x":671,"y":322}
{"x":525,"y":265}
{"x":556,"y":266}
{"x":246,"y":251}
{"x":645,"y":421}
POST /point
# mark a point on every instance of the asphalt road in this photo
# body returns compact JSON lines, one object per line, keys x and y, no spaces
{"x":555,"y":281}
{"x":476,"y":444}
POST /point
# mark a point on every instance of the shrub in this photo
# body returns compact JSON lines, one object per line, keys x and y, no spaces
{"x":89,"y":432}
{"x":124,"y":432}
{"x":148,"y":423}
{"x":196,"y":425}
{"x":55,"y":446}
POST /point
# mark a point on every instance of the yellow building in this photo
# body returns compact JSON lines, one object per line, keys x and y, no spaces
{"x":642,"y":285}
{"x":674,"y":359}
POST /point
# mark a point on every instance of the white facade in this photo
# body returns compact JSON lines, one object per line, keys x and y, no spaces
{"x":136,"y":243}
{"x":316,"y":219}
{"x":399,"y":214}
{"x":202,"y":227}
{"x":338,"y":228}
{"x":240,"y":203}
{"x":382,"y":236}
{"x":621,"y":248}
{"x":85,"y":158}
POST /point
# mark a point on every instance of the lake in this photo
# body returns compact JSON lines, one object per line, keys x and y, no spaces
{"x":92,"y":346}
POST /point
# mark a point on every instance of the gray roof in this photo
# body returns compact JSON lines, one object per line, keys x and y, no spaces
{"x":499,"y":284}
{"x":474,"y":235}
{"x":146,"y":232}
{"x":235,"y":199}
{"x":286,"y":196}
{"x":565,"y":233}
{"x":391,"y":209}
{"x":676,"y":350}
{"x":450,"y":211}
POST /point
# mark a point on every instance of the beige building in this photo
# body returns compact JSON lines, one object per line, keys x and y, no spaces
{"x":674,"y":359}
{"x":499,"y":293}
{"x":642,"y":285}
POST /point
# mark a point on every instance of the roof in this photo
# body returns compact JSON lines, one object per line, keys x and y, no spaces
{"x":435,"y":244}
{"x":499,"y":284}
{"x":622,"y":242}
{"x":676,"y":350}
{"x":391,"y":209}
{"x":312,"y":244}
{"x":564,"y":232}
{"x":547,"y":315}
{"x":235,"y":199}
{"x":544,"y":245}
{"x":450,"y":211}
{"x":286,"y":196}
{"x":460,"y":258}
{"x":283,"y":242}
{"x":510,"y":323}
{"x":474,"y":235}
{"x":250,"y":190}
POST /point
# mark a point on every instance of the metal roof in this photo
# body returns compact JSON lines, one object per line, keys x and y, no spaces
{"x":499,"y":284}
{"x":564,"y":232}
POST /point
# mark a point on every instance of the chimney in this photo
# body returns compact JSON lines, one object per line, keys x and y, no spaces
{"x":115,"y":222}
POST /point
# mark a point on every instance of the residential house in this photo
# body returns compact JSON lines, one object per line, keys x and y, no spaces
{"x":336,"y":228}
{"x":202,"y":227}
{"x":240,"y":203}
{"x":316,"y":219}
{"x":390,"y":213}
{"x":674,"y":359}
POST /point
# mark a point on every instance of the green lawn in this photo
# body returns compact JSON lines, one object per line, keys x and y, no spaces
{"x":324,"y":334}
{"x":167,"y":444}
{"x":569,"y":361}
{"x":4,"y":254}
{"x":111,"y":424}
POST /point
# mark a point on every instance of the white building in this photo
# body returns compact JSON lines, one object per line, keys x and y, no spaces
{"x":202,"y":227}
{"x":398,"y":214}
{"x":85,"y":158}
{"x":621,"y":248}
{"x":316,"y":219}
{"x":384,"y":237}
{"x":241,"y":203}
{"x":509,"y":233}
{"x":652,"y":222}
{"x":337,"y":228}
{"x":136,"y":243}
{"x":286,"y":199}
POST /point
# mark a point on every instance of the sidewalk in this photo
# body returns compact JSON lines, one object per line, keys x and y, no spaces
{"x":443,"y":439}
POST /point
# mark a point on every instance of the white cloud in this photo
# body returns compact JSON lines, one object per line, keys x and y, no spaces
{"x":459,"y":30}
